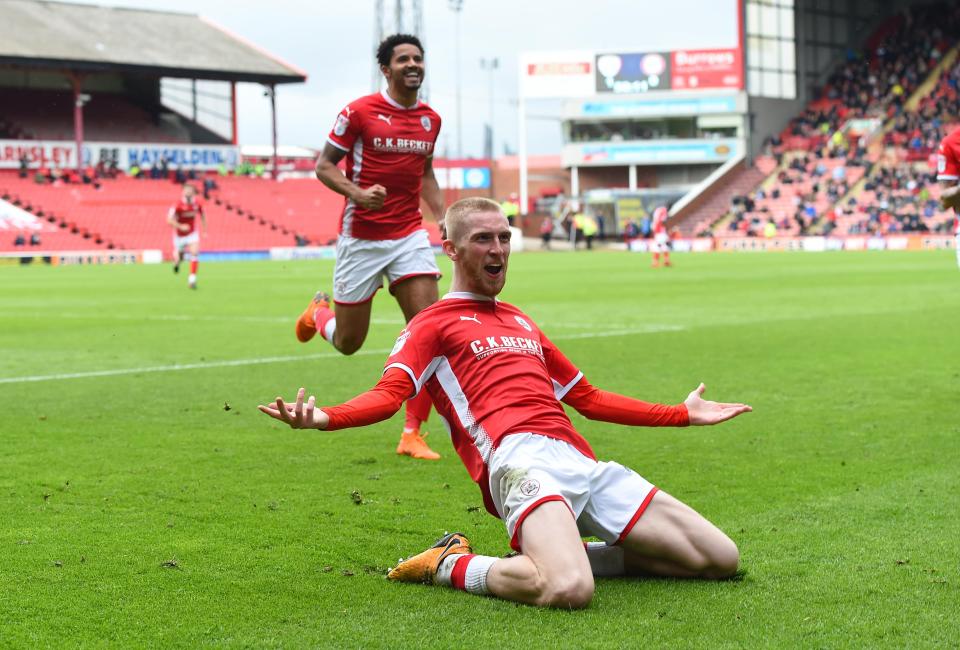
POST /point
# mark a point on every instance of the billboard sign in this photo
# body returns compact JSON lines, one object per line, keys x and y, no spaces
{"x":632,"y":73}
{"x":556,"y":74}
{"x":658,"y":107}
{"x":695,"y":69}
{"x":62,"y":154}
{"x":652,"y":152}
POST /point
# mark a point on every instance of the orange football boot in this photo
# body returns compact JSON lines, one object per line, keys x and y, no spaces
{"x":412,"y":444}
{"x":306,"y":326}
{"x":423,"y":566}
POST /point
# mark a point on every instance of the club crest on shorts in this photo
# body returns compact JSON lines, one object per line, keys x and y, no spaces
{"x":524,"y":324}
{"x":425,"y":123}
{"x":530,"y":487}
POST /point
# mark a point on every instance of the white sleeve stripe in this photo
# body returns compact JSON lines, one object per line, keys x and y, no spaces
{"x":338,"y":146}
{"x":406,"y":369}
{"x":947,"y":177}
{"x":559,"y":391}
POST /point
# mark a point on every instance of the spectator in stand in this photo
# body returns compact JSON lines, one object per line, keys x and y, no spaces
{"x":24,"y":166}
{"x":19,"y":240}
{"x":35,"y":239}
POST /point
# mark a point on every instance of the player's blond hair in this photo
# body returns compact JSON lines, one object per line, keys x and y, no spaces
{"x":454,"y":221}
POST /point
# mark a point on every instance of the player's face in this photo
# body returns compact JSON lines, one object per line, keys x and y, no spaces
{"x":188,"y":196}
{"x":482,"y":253}
{"x":406,"y":68}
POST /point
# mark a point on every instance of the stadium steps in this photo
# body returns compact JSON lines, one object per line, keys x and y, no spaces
{"x":714,"y":205}
{"x":131,"y":214}
{"x":303,"y":207}
{"x":930,"y":83}
{"x":57,"y":233}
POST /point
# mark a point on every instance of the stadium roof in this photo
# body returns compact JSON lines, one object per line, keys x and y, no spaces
{"x":90,"y":38}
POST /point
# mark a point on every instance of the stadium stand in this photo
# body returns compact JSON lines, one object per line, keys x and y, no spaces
{"x":302,"y":205}
{"x":55,"y":57}
{"x":128,"y":213}
{"x":32,"y":114}
{"x":830,"y":178}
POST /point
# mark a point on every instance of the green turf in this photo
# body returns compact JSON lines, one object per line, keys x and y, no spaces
{"x":138,"y":510}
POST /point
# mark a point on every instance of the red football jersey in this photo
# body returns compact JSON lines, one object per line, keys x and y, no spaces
{"x":659,"y":222}
{"x":948,"y":165}
{"x":491,"y":372}
{"x":387,"y":144}
{"x":186,"y":214}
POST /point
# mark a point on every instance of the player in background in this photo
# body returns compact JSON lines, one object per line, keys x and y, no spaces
{"x":660,"y":245}
{"x":948,"y":175}
{"x":498,"y":380}
{"x":388,"y":139}
{"x":186,"y":236}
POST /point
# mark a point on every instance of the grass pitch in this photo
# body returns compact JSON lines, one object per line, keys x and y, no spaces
{"x":145,"y":501}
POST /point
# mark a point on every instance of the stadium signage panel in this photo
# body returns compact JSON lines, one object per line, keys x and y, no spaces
{"x":556,"y":74}
{"x":693,"y":69}
{"x":632,"y":73}
{"x":462,"y":178}
{"x":52,"y":153}
{"x":651,"y":152}
{"x":664,"y":107}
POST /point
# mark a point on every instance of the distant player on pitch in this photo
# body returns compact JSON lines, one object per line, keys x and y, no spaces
{"x":661,"y":240}
{"x":388,"y":140}
{"x":948,"y":174}
{"x":498,"y":381}
{"x":186,"y":235}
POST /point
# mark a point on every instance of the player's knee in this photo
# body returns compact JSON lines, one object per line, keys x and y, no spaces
{"x":348,"y":344}
{"x":722,"y":560}
{"x":567,"y":592}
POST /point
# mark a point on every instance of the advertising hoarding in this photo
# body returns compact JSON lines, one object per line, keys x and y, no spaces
{"x":651,"y":152}
{"x":696,"y":69}
{"x":62,"y":154}
{"x":556,"y":74}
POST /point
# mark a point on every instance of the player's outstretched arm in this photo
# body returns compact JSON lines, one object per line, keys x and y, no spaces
{"x":377,"y":404}
{"x":597,"y":404}
{"x":298,"y":415}
{"x":703,"y":411}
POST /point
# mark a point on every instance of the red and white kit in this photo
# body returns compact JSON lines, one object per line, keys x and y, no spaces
{"x":948,"y":169}
{"x":186,"y":214}
{"x":658,"y":226}
{"x":386,"y":144}
{"x":497,"y":381}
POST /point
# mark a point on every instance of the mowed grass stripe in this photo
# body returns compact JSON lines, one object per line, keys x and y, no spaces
{"x":840,"y":488}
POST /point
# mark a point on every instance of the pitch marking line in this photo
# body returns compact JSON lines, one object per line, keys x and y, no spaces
{"x":650,"y":329}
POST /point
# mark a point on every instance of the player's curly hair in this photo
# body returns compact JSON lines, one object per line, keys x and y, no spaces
{"x":385,"y":50}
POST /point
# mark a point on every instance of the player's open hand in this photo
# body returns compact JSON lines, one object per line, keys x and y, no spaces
{"x":298,"y":415}
{"x":372,"y":198}
{"x":703,"y":411}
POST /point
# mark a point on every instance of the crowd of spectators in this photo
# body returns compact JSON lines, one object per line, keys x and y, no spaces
{"x":874,"y":85}
{"x":878,"y":82}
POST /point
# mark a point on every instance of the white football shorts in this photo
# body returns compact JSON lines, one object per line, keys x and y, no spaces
{"x":527,"y":470}
{"x":660,"y":243}
{"x":363,"y":263}
{"x":179,"y":243}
